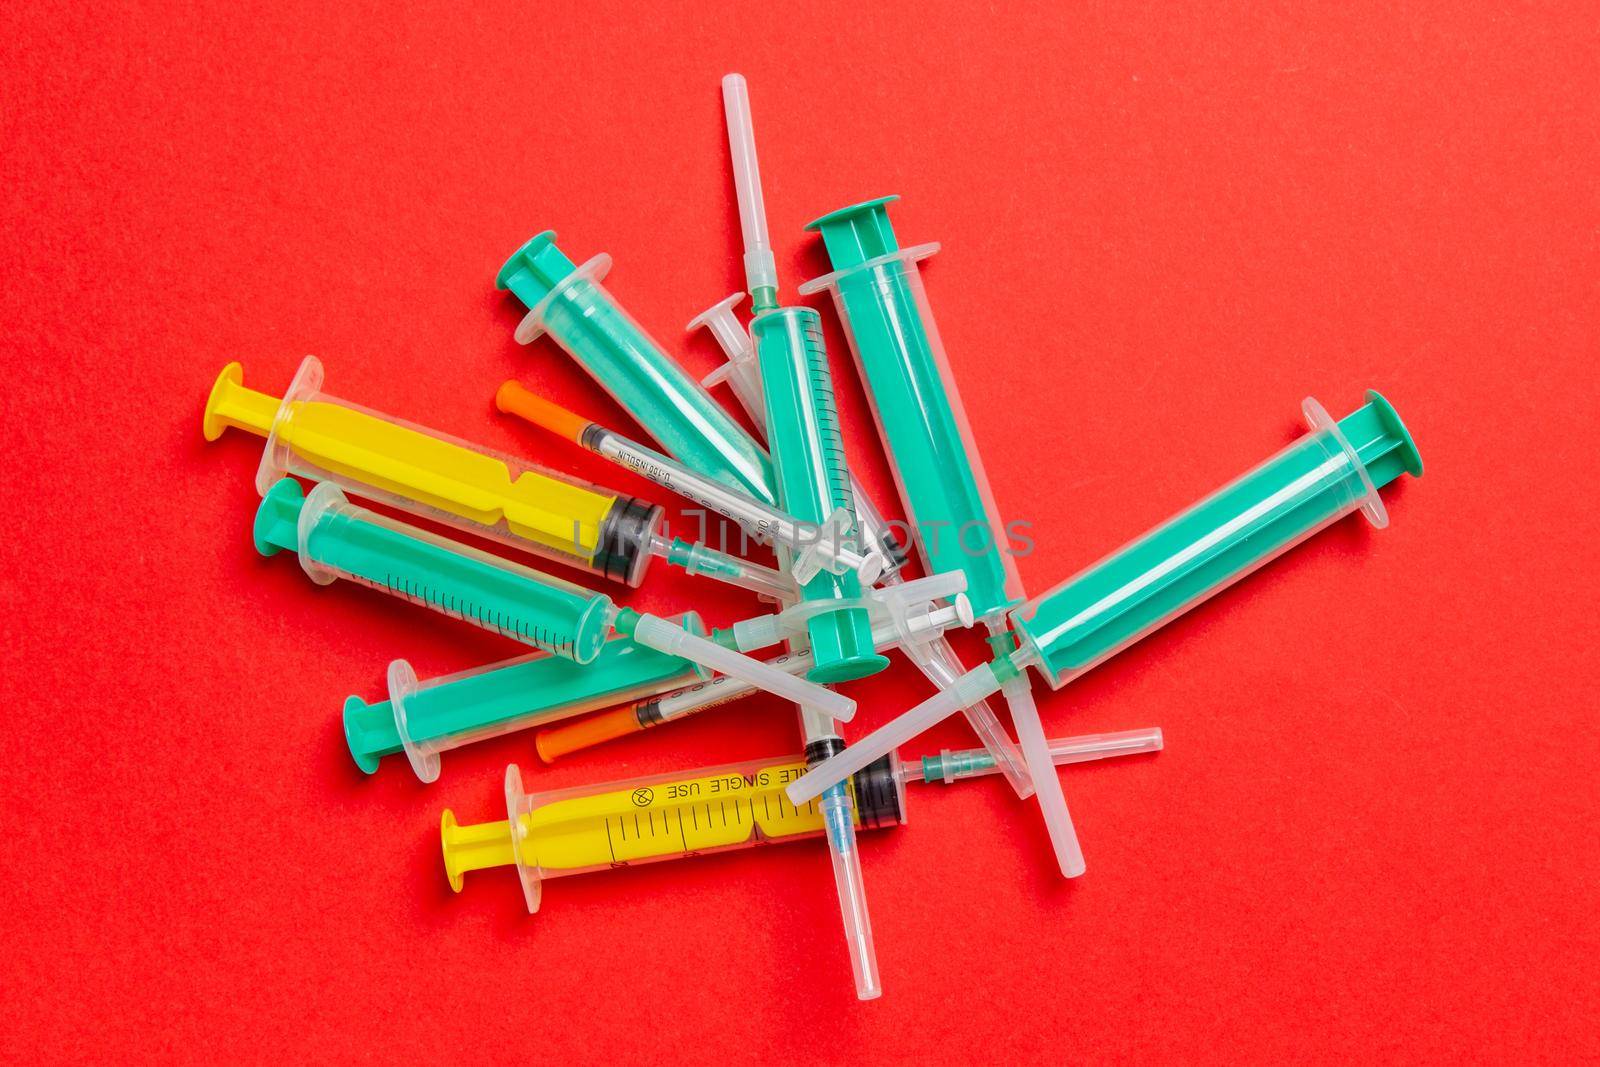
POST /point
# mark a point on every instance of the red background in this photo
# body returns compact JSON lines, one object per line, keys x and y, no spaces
{"x":1373,"y":830}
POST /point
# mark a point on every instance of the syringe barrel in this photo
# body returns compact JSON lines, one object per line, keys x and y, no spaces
{"x":425,"y":718}
{"x":880,"y":299}
{"x":570,"y":304}
{"x":378,"y":457}
{"x":1316,"y":480}
{"x":813,"y":479}
{"x":743,"y":374}
{"x":670,"y":816}
{"x":337,"y":539}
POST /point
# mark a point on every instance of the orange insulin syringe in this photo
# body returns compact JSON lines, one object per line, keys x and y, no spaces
{"x":481,"y":491}
{"x":816,"y":548}
{"x":714,"y":809}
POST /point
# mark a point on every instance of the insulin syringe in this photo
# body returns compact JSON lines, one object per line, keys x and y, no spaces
{"x":815,"y":549}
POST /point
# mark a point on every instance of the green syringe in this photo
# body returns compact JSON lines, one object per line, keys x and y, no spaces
{"x":743,"y":374}
{"x":935,"y":461}
{"x":337,"y":539}
{"x":426,"y":718}
{"x":878,"y":292}
{"x":1334,"y":470}
{"x":813,"y":478}
{"x":569,"y":303}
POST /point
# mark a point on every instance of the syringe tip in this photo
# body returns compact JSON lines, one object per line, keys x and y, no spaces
{"x":506,"y":396}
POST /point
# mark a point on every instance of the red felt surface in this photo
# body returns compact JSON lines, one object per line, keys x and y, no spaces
{"x":1373,"y":831}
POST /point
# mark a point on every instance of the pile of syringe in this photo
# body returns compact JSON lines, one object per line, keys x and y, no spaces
{"x":838,"y":606}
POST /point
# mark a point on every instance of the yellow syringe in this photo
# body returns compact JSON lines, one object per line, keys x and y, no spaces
{"x":319,"y":437}
{"x":664,"y":817}
{"x":714,"y":809}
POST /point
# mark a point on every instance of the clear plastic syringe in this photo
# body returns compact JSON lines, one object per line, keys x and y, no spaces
{"x":715,"y":809}
{"x":1334,"y":470}
{"x":377,"y":457}
{"x":337,"y":539}
{"x":569,"y":303}
{"x":802,"y":425}
{"x":425,"y":719}
{"x":815,"y":550}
